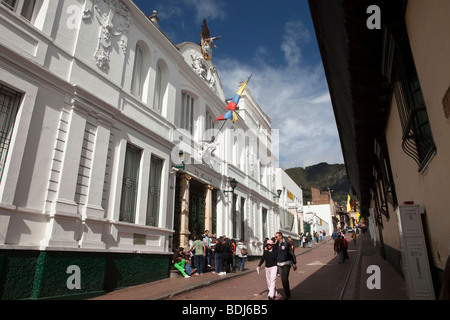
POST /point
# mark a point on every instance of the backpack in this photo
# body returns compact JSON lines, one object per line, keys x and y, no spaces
{"x":244,"y":251}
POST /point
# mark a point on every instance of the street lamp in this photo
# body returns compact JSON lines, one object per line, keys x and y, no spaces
{"x":279,"y":194}
{"x":233,"y":184}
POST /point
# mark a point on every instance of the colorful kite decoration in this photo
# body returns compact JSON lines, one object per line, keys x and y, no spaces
{"x":232,"y":106}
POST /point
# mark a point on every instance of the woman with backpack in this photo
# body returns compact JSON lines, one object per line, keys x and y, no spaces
{"x":241,"y":253}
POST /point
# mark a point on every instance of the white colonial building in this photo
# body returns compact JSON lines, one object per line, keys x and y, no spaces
{"x":291,"y":205}
{"x":318,"y":214}
{"x":96,"y":105}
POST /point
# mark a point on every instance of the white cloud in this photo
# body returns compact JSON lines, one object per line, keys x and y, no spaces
{"x":295,"y":96}
{"x":203,"y":9}
{"x":295,"y":35}
{"x":207,"y":9}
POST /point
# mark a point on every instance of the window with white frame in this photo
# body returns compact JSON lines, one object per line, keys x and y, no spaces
{"x":187,"y":112}
{"x":24,"y":7}
{"x":130,"y":185}
{"x":9,"y":105}
{"x":209,"y":126}
{"x":137,"y":83}
{"x":154,"y":191}
{"x":157,"y":101}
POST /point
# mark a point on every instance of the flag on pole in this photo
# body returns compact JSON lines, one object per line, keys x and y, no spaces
{"x":230,"y":115}
{"x":232,"y":105}
{"x":349,"y":207}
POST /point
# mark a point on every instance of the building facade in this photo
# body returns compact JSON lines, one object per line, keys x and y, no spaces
{"x":388,"y":70}
{"x":320,"y":212}
{"x":291,"y":205}
{"x":97,"y":104}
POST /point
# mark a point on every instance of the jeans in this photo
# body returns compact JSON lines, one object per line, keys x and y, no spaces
{"x":199,"y":261}
{"x":284,"y":274}
{"x":217,"y":263}
{"x":340,"y":255}
{"x":207,"y":255}
{"x":188,"y":269}
{"x":241,"y":262}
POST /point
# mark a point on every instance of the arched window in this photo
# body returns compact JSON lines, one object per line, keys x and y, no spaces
{"x":161,"y":85}
{"x":157,"y":101}
{"x":187,"y":112}
{"x":138,"y":79}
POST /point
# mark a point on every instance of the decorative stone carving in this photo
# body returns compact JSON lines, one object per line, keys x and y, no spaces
{"x":115,"y":20}
{"x":205,"y":71}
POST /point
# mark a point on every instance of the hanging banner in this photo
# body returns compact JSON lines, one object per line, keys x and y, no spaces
{"x":290,"y":195}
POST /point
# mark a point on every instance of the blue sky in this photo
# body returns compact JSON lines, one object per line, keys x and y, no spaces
{"x":275,"y":41}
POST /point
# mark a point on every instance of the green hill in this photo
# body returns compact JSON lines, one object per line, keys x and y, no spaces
{"x":322,"y":176}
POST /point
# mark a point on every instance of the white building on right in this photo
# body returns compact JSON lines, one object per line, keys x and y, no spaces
{"x":318,"y":213}
{"x":291,"y":204}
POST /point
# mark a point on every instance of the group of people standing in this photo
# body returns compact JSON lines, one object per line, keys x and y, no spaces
{"x":307,"y":238}
{"x":207,"y":251}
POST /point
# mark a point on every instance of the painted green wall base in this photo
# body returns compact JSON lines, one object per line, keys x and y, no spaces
{"x":37,"y":275}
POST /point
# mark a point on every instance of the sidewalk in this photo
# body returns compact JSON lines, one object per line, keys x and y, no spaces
{"x":167,"y":288}
{"x":355,"y":288}
{"x":393,"y":285}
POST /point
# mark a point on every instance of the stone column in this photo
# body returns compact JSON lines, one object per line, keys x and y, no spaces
{"x":208,"y":208}
{"x":184,"y":221}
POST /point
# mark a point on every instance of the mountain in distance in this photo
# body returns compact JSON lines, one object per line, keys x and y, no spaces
{"x":322,"y":176}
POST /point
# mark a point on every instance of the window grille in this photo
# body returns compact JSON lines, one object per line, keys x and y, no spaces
{"x":9,"y":106}
{"x":399,"y":66}
{"x":154,"y":192}
{"x":130,"y":185}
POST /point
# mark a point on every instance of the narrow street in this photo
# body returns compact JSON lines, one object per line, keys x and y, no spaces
{"x":318,"y":276}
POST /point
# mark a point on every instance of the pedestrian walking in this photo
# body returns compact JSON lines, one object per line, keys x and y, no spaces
{"x":285,"y":260}
{"x":270,"y":259}
{"x":291,"y":243}
{"x":241,"y":253}
{"x":338,"y":250}
{"x":309,"y":239}
{"x":354,"y":237}
{"x":199,"y":254}
{"x":345,"y":247}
